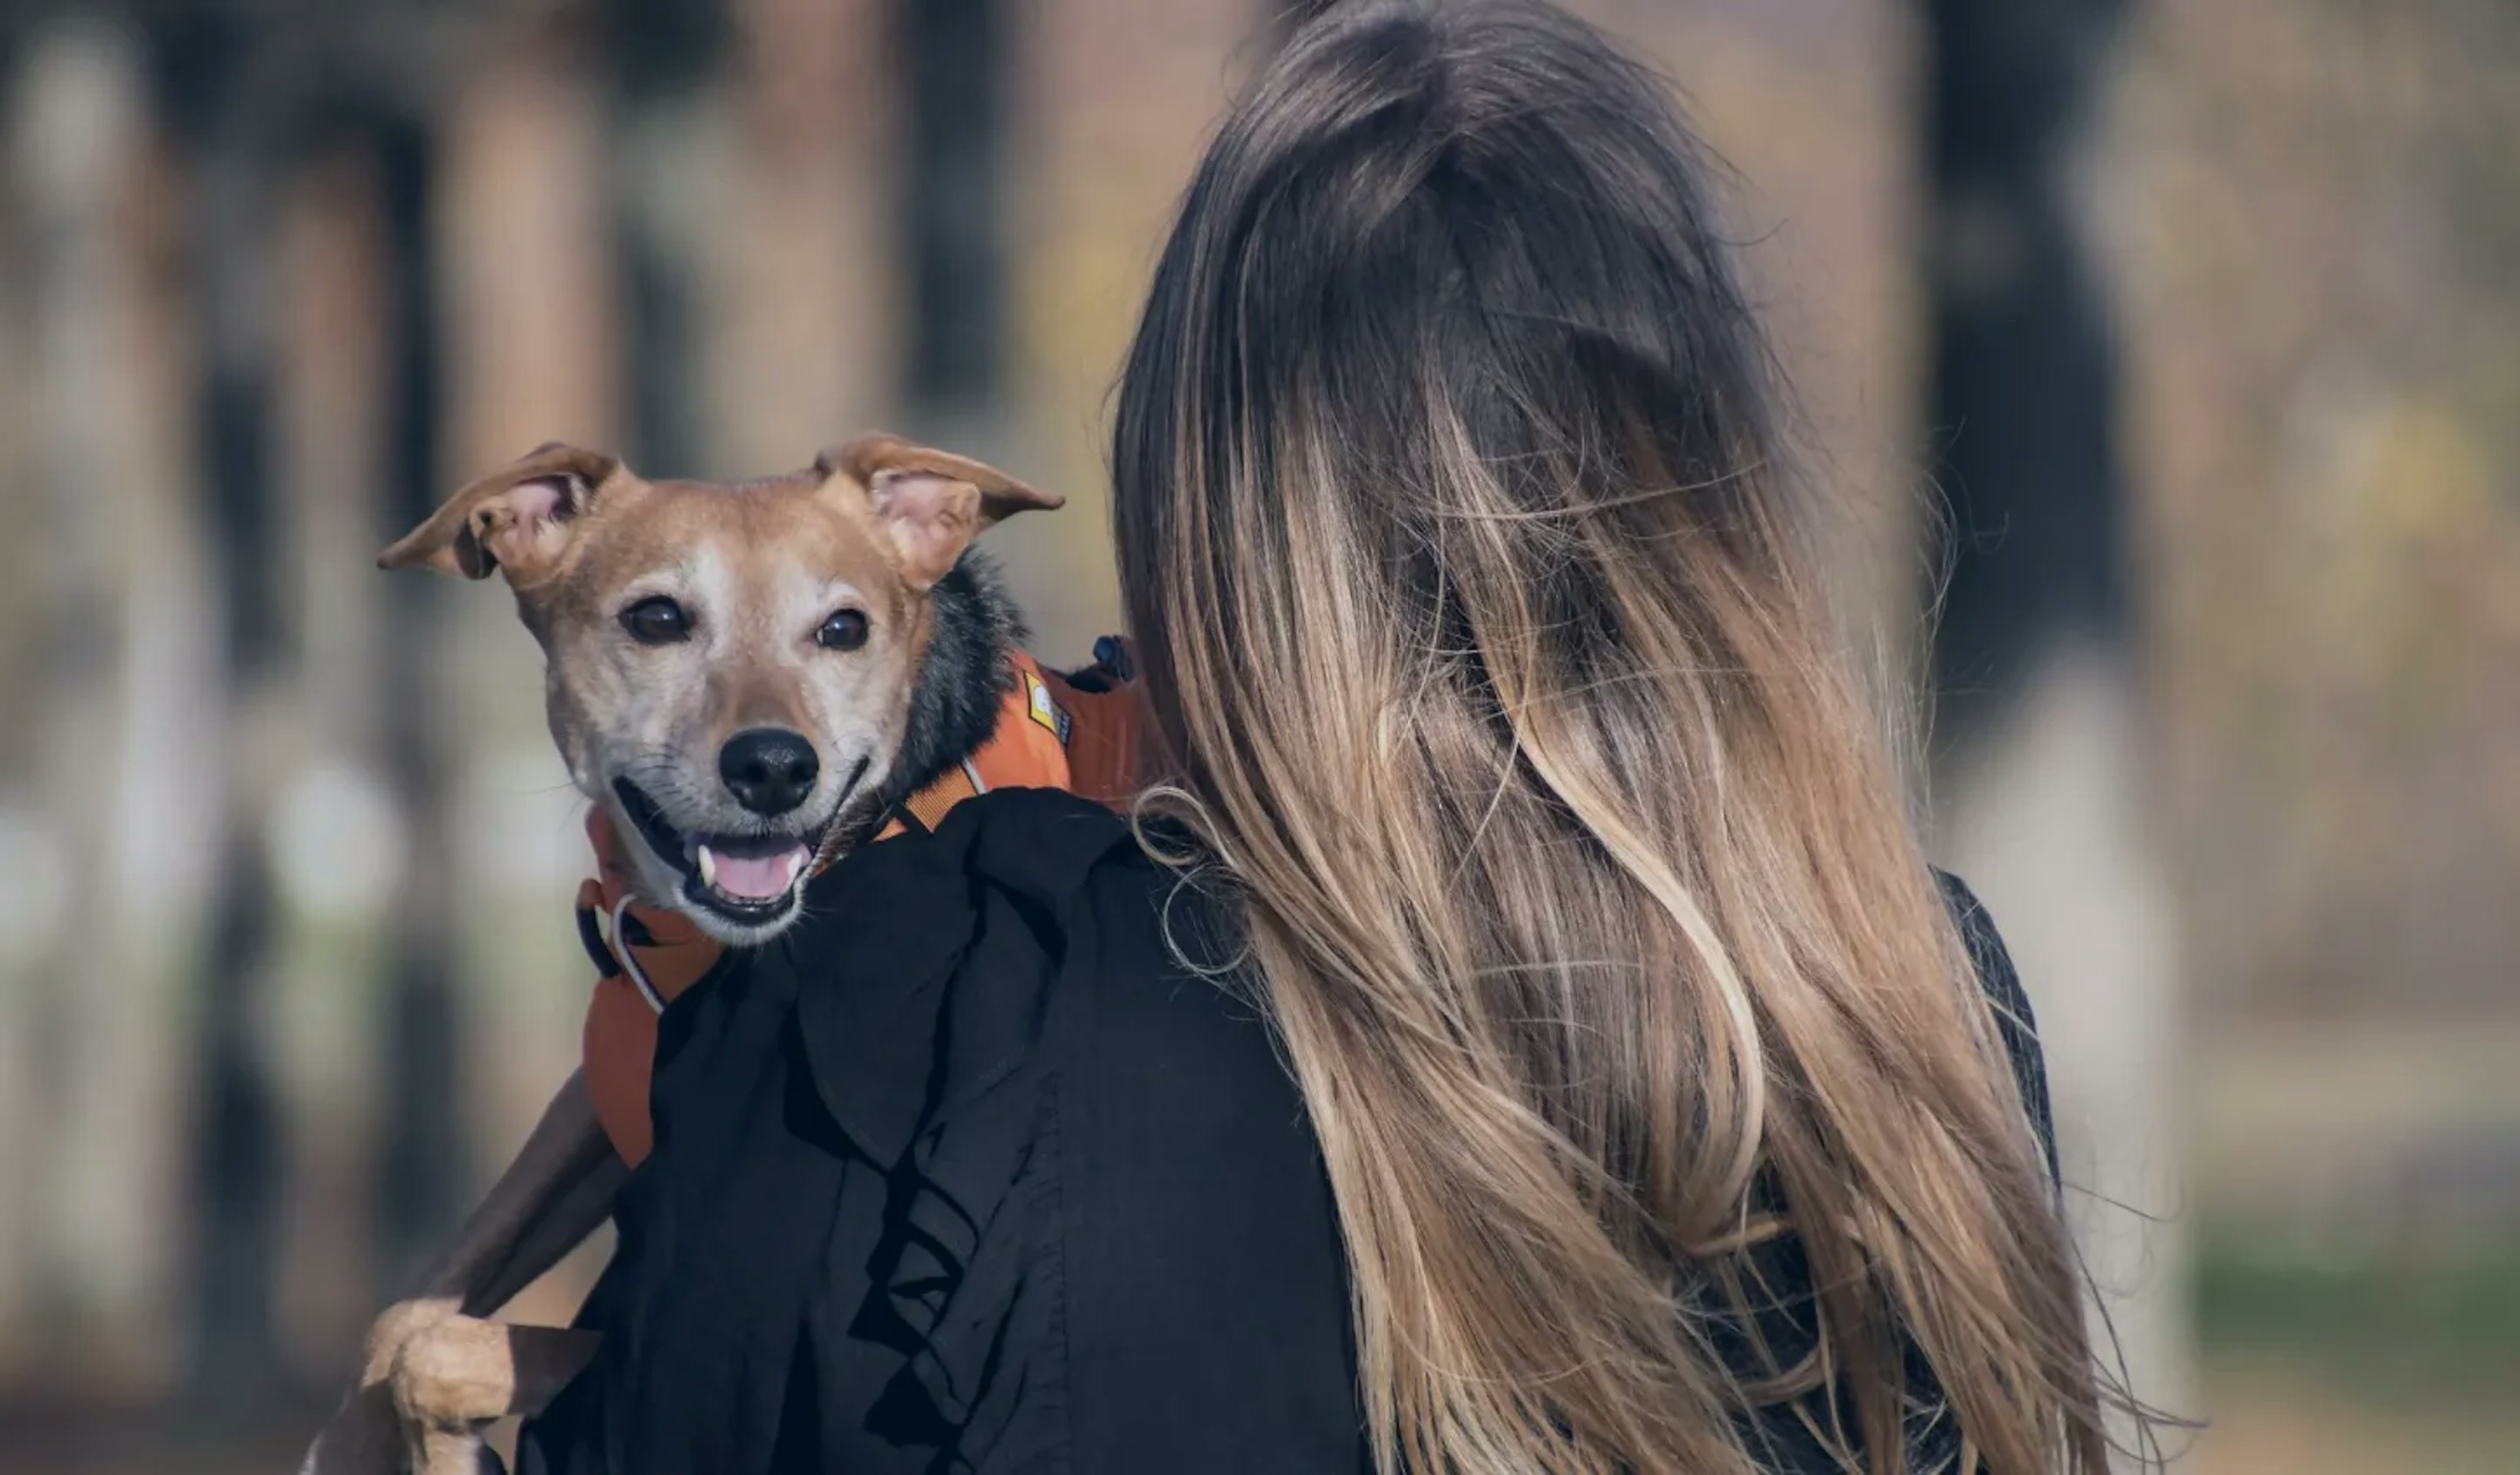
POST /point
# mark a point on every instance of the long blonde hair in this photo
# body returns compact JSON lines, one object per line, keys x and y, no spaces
{"x":1478,"y":626}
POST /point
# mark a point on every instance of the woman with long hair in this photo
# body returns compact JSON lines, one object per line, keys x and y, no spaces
{"x":1516,"y":1030}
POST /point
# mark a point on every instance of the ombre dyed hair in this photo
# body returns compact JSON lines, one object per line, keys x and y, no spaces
{"x":1480,"y":626}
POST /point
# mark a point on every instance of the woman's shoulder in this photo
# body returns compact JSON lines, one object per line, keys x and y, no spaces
{"x":1152,"y":1029}
{"x":1031,"y":930}
{"x":1986,"y":950}
{"x":1130,"y":932}
{"x":1125,"y":936}
{"x":1191,"y":1191}
{"x":2015,"y":1022}
{"x":1194,"y":1192}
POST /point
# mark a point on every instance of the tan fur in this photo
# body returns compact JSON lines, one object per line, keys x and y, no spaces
{"x":872,"y":525}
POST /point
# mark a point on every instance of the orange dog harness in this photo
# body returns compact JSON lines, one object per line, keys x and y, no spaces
{"x":1053,"y":732}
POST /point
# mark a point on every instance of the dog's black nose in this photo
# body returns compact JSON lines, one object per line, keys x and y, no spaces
{"x":769,"y":770}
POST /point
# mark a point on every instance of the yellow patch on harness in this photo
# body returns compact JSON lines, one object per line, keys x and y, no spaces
{"x":1038,"y":705}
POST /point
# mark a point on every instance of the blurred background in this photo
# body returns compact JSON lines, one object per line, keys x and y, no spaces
{"x":2183,"y":334}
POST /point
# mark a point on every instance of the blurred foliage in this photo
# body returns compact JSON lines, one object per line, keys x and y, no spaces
{"x":2317,"y":210}
{"x":2398,"y":1324}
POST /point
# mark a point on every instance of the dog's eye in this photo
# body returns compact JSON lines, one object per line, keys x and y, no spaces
{"x":845,"y":630}
{"x":842,"y":631}
{"x":658,"y":621}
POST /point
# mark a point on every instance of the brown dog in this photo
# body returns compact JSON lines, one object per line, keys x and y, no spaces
{"x":742,"y":678}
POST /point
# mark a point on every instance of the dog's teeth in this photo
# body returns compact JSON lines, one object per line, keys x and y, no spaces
{"x":708,"y":866}
{"x":795,"y":863}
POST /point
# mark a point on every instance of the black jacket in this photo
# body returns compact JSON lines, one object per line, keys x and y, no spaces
{"x":966,"y":1173}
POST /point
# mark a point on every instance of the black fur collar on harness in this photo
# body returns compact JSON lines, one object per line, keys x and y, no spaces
{"x":961,"y":683}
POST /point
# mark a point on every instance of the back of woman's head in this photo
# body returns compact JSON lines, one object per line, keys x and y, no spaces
{"x":1455,"y":541}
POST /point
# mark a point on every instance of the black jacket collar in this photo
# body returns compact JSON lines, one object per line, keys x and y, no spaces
{"x":874,"y":967}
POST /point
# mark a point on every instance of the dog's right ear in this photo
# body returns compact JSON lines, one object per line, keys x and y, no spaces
{"x":515,"y":518}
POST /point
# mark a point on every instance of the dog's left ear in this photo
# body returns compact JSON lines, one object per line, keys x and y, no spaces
{"x":931,"y":503}
{"x":515,"y":518}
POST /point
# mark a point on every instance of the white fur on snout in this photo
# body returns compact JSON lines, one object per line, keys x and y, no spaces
{"x":857,"y":700}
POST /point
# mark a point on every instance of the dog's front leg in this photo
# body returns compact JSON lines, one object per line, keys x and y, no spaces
{"x":570,"y":1198}
{"x":558,"y":1188}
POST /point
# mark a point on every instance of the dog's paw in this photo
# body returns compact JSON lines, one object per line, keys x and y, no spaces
{"x":395,"y":1329}
{"x":463,"y":1371}
{"x":455,"y":1372}
{"x":365,"y":1435}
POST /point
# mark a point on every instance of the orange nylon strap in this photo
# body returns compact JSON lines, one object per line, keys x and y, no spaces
{"x":930,"y":805}
{"x":659,"y":947}
{"x":1030,"y":748}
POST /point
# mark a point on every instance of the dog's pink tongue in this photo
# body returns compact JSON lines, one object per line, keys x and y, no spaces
{"x":755,"y":878}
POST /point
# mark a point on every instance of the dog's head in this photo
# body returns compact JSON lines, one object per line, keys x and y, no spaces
{"x":730,"y":666}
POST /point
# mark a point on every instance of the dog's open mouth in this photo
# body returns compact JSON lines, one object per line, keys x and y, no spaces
{"x":748,"y":879}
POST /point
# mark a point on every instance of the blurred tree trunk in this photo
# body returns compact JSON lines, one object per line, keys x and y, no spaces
{"x":951,"y":212}
{"x":121,"y":596}
{"x":1093,"y":171}
{"x":425,"y":1174}
{"x":28,"y":848}
{"x":2024,"y":376}
{"x":229,"y":115}
{"x":340,"y":837}
{"x":808,"y":130}
{"x":2044,"y":777}
{"x":663,"y":54}
{"x":64,"y":192}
